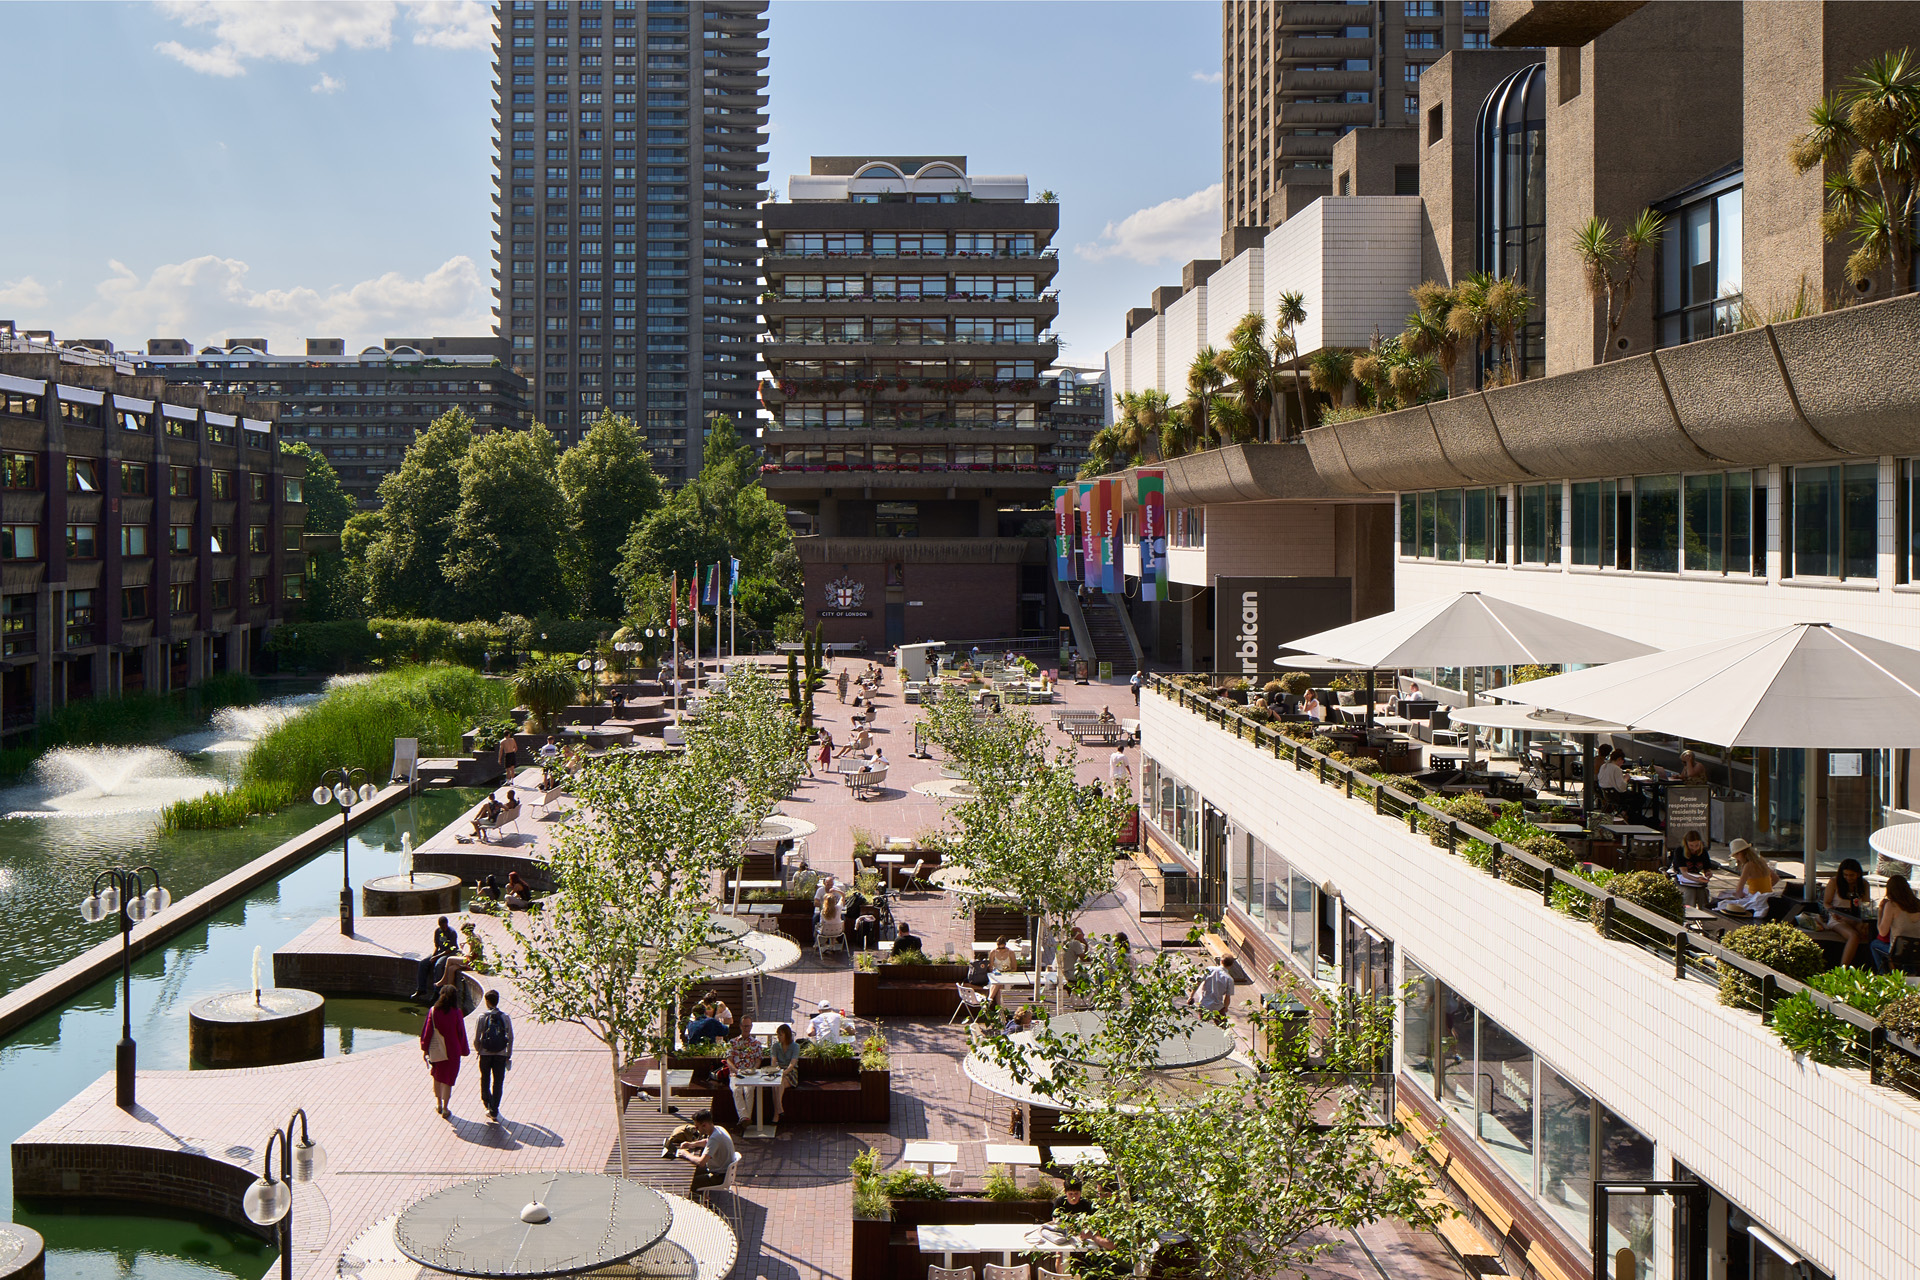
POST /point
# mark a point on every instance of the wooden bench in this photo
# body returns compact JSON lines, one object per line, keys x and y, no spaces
{"x":865,"y":786}
{"x":1514,"y":1236}
{"x":1099,"y":735}
{"x":992,"y":923}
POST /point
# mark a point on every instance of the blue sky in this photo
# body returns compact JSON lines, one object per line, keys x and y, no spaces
{"x":210,"y":170}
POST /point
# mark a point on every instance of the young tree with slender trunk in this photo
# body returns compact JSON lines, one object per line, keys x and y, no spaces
{"x":1869,"y":132}
{"x":1610,"y":264}
{"x":1289,"y":315}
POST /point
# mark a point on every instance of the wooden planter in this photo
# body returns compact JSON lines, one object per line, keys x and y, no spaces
{"x":903,"y":1259}
{"x":830,"y":1091}
{"x":907,"y":990}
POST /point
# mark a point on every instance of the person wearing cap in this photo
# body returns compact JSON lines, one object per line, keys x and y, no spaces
{"x":1756,"y":881}
{"x":827,"y":1025}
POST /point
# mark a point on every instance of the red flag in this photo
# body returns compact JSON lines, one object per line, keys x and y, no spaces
{"x":693,"y":592}
{"x":673,"y":603}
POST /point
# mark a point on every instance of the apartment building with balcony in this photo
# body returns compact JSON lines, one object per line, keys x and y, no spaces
{"x":360,"y":411}
{"x":150,"y":533}
{"x":1079,"y":410}
{"x":630,"y":155}
{"x":907,"y":308}
{"x":1712,"y":471}
{"x":1297,"y":77}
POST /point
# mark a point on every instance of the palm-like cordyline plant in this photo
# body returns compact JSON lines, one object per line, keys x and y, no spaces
{"x":1509,"y":303}
{"x":1142,"y":416}
{"x":1250,"y":363}
{"x":1289,"y":314}
{"x":1205,"y":378}
{"x":1331,"y":372}
{"x":1871,"y":130}
{"x":1469,"y":317}
{"x":1427,"y":331}
{"x":1611,"y":264}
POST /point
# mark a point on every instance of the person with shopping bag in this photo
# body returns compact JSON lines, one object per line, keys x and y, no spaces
{"x":443,"y":1042}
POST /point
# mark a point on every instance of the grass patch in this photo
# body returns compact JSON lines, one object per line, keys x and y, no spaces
{"x":219,"y":809}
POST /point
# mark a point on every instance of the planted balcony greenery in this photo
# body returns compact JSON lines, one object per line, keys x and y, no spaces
{"x":1779,"y":947}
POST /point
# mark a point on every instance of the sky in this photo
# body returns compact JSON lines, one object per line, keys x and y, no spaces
{"x":286,"y":169}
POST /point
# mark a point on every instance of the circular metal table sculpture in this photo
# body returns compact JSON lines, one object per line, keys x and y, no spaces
{"x":1900,"y":842}
{"x":286,"y":1024}
{"x":22,"y":1252}
{"x":593,"y":1220}
{"x":785,"y":826}
{"x":424,"y":893}
{"x":1199,"y":1044}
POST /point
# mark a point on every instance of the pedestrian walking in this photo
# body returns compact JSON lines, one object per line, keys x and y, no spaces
{"x":842,"y":682}
{"x":493,"y":1047}
{"x":826,"y":750}
{"x":1139,"y":678}
{"x":443,"y":1042}
{"x":509,"y":753}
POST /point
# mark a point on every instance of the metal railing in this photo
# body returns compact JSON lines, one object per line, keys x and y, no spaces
{"x":915,"y":255}
{"x":1889,"y":1059}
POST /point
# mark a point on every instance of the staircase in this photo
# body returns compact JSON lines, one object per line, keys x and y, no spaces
{"x":1108,"y":633}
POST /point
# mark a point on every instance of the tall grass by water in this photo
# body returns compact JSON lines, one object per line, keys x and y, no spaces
{"x":352,"y":727}
{"x":132,"y":718}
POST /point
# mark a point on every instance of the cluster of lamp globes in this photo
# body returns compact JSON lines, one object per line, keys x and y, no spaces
{"x":268,"y":1200}
{"x":96,"y":907}
{"x":345,"y":795}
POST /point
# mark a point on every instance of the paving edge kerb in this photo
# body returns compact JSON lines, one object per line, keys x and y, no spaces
{"x":54,"y":988}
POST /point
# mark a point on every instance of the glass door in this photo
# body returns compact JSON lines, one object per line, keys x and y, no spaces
{"x":1213,"y":861}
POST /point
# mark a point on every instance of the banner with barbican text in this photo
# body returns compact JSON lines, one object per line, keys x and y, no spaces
{"x":1063,"y":533}
{"x":1113,"y":578}
{"x":1089,"y":543}
{"x":1153,"y":534}
{"x":1097,"y":540}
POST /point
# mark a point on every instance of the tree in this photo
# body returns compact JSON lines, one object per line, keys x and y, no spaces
{"x":503,"y":550}
{"x":1331,"y":372}
{"x":1428,"y":333}
{"x":1509,"y":304}
{"x":545,"y":689}
{"x":1610,"y":264}
{"x":335,"y":588}
{"x":1289,"y":315}
{"x":1868,"y":133}
{"x":1488,"y":312}
{"x":609,"y":486}
{"x":418,"y":502}
{"x":328,"y":505}
{"x":1252,"y":366}
{"x":1205,"y":379}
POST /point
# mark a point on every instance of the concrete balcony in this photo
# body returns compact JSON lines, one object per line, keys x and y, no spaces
{"x":1042,"y":349}
{"x":832,"y":550}
{"x":1326,"y":113}
{"x":1040,"y":308}
{"x":1316,"y":82}
{"x":1297,"y":146}
{"x":1312,"y":49}
{"x":781,"y":388}
{"x":1299,"y":17}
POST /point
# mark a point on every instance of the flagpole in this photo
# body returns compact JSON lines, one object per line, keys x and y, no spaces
{"x":673,"y":616}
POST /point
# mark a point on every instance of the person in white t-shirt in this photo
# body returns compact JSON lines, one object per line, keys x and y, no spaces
{"x":827,"y":1026}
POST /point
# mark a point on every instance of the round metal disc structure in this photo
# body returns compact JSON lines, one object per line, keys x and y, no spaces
{"x":1197,"y":1045}
{"x":474,"y":1228}
{"x":724,"y":929}
{"x":1900,"y":842}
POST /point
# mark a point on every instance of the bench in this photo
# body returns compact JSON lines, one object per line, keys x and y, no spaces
{"x":546,"y":798}
{"x":865,"y":786}
{"x":1513,"y":1235}
{"x":1098,"y":735}
{"x":506,"y":819}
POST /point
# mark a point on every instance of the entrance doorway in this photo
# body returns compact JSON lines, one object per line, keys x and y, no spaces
{"x":1213,"y":861}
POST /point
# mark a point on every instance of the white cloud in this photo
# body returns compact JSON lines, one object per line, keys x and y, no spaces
{"x":299,"y":31}
{"x":1180,"y":229}
{"x":209,"y":297}
{"x":327,"y":84}
{"x":1209,"y":77}
{"x":26,"y":293}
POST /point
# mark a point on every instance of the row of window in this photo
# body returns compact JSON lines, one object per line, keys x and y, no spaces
{"x":905,"y":457}
{"x":22,"y":471}
{"x":908,"y":330}
{"x":22,"y":541}
{"x":1712,"y":522}
{"x":916,"y":244}
{"x":74,"y":414}
{"x":996,"y":288}
{"x":792,"y":417}
{"x":853,"y":370}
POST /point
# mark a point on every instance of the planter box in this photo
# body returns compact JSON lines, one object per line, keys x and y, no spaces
{"x":585,"y":715}
{"x":830,"y":1091}
{"x":907,"y":991}
{"x":904,"y":1261}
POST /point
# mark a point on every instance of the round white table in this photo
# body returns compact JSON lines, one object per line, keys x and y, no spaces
{"x":1900,"y":842}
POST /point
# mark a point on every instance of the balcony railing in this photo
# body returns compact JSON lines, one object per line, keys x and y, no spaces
{"x":951,"y":386}
{"x":931,"y":254}
{"x":1046,"y":467}
{"x":1049,"y":295}
{"x":913,"y":340}
{"x":1890,"y":1059}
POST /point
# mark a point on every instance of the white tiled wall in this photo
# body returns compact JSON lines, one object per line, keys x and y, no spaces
{"x":1185,"y":329}
{"x":1355,"y":259}
{"x":1119,"y":373}
{"x":1819,"y":1156}
{"x":1233,"y":291}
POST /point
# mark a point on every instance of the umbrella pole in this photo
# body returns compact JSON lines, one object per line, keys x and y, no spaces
{"x":1809,"y":812}
{"x":1473,"y":684}
{"x":1370,"y":675}
{"x":1587,"y":743}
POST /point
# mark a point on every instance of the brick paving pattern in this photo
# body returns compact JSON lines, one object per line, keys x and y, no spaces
{"x":373,"y":1111}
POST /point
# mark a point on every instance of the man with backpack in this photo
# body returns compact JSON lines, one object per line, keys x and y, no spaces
{"x":493,"y":1045}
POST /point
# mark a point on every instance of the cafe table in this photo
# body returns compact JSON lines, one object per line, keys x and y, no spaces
{"x":1630,"y":834}
{"x":765,"y":1030}
{"x":1003,"y":1238}
{"x":933,"y":1156}
{"x":760,"y":1081}
{"x":890,"y":861}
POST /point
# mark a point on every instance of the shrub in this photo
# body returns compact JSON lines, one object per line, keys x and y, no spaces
{"x":1654,"y":892}
{"x":1239,"y":684}
{"x":1478,"y":853}
{"x":869,"y":1198}
{"x":1780,"y":947}
{"x":1805,"y":1028}
{"x":1275,"y":685}
{"x":1000,"y":1184}
{"x":904,"y":1184}
{"x":1322,"y":743}
{"x":1296,"y":682}
{"x":1550,"y":849}
{"x":226,"y":808}
{"x":1902,"y":1016}
{"x":491,"y":732}
{"x":546,"y":689}
{"x":1471,"y":810}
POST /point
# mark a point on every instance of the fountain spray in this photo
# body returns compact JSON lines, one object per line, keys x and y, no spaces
{"x":256,"y":977}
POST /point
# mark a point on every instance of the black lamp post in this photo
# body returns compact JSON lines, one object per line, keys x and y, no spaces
{"x":343,"y":792}
{"x":124,"y":892}
{"x":269,"y":1201}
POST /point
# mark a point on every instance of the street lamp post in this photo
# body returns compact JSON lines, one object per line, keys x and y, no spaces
{"x":590,"y":669}
{"x":269,"y":1201}
{"x":342,"y":792}
{"x":123,"y":891}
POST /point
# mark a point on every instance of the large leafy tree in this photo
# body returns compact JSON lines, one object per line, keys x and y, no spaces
{"x":610,"y":487}
{"x":1867,"y":135}
{"x":418,"y":503}
{"x":503,"y":552}
{"x":336,"y":587}
{"x":328,"y":505}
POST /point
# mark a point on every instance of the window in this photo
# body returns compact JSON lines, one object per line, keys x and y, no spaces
{"x":17,"y":624}
{"x":133,"y":540}
{"x":133,"y":480}
{"x":1697,"y":267}
{"x":1595,"y":523}
{"x":83,"y":542}
{"x":294,"y":586}
{"x":290,"y":538}
{"x":257,"y":487}
{"x":293,"y":489}
{"x":256,"y":590}
{"x":222,"y":593}
{"x":220,"y":539}
{"x":1188,"y":527}
{"x":1510,"y":177}
{"x":1540,"y":524}
{"x":135,"y":602}
{"x":257,"y":539}
{"x":220,"y":485}
{"x":19,"y":542}
{"x":1833,"y":513}
{"x":22,"y":471}
{"x":180,"y":598}
{"x":79,"y":618}
{"x":83,"y":475}
{"x":180,"y":539}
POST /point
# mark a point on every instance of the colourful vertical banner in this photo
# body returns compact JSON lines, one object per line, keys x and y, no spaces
{"x":1089,"y":544}
{"x":1097,"y":536}
{"x":1106,"y":514}
{"x":1153,"y":533}
{"x":1062,"y":533}
{"x":712,"y":596}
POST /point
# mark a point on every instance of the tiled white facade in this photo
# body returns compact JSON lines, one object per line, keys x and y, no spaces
{"x":1119,"y":374}
{"x":1354,"y":259}
{"x":1185,"y":328}
{"x":1670,"y":610}
{"x":1232,"y":292}
{"x":1820,"y":1156}
{"x":1148,"y":359}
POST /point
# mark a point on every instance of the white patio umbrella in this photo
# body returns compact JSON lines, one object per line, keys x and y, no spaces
{"x":1467,"y":630}
{"x":1808,"y":685}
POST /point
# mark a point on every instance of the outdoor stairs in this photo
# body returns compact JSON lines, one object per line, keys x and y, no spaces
{"x":438,"y":773}
{"x":1108,"y":633}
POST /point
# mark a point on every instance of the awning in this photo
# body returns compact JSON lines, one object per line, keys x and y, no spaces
{"x":221,"y":419}
{"x":135,"y":403}
{"x":254,"y":424}
{"x":24,"y":386}
{"x":1531,"y":719}
{"x":1468,"y":629}
{"x":81,"y":395}
{"x":181,"y":412}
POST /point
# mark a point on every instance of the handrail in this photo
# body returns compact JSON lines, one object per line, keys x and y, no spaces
{"x":1680,"y":941}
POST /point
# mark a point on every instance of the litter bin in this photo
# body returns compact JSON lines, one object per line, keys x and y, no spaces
{"x":1286,"y":1020}
{"x":1175,"y":889}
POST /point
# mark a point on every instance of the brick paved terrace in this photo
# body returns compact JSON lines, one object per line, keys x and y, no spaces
{"x":195,"y":1132}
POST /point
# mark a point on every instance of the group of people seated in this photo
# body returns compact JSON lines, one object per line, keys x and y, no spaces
{"x":515,"y":894}
{"x":850,"y":913}
{"x":501,"y":808}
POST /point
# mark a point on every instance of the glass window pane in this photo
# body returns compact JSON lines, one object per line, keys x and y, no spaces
{"x":1698,"y":234}
{"x":1586,"y":522}
{"x":1671,"y":273}
{"x":1278,"y":916}
{"x":1553,"y":524}
{"x":1409,"y":510}
{"x":1705,"y":514}
{"x":1416,"y":1040}
{"x":1816,"y":521}
{"x":1739,"y":522}
{"x":1426,"y":524}
{"x":1249,"y":880}
{"x":1728,"y":253}
{"x":1627,"y":1153}
{"x":1861,"y":519}
{"x":1656,"y":524}
{"x":1302,"y":911}
{"x":1533,"y":524}
{"x":1609,"y":523}
{"x":1566,"y":1152}
{"x":1457,"y":1079}
{"x":1447,"y":524}
{"x":1506,"y":1100}
{"x":1475,"y":521}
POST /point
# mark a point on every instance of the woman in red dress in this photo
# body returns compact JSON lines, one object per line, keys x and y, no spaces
{"x":443,"y":1042}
